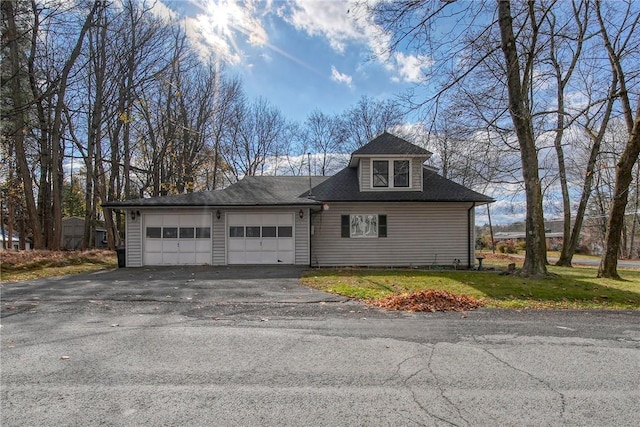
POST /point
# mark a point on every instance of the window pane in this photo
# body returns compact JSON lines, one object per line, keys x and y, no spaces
{"x":364,"y":225}
{"x":170,"y":232}
{"x":186,"y":232}
{"x":401,"y":173}
{"x":380,"y":173}
{"x":253,"y":231}
{"x":285,"y":231}
{"x":268,"y":231}
{"x":154,"y":232}
{"x":236,"y":231}
{"x":203,"y":232}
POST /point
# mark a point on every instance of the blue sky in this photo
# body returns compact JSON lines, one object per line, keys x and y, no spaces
{"x":301,"y":55}
{"x":306,"y":55}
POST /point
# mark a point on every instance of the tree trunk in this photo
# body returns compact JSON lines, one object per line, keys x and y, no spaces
{"x":19,"y":125}
{"x":609,"y":262}
{"x":536,"y":256}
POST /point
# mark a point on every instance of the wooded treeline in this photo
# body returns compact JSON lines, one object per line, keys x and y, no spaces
{"x":545,"y":94}
{"x":541,"y":97}
{"x":109,"y":102}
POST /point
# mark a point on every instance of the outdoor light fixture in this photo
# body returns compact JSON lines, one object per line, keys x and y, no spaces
{"x":134,"y":215}
{"x":218,"y":214}
{"x":301,"y":214}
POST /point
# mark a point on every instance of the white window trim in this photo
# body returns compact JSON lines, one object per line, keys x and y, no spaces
{"x":390,"y":170}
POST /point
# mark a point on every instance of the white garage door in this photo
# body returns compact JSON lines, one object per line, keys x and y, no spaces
{"x":183,"y":239}
{"x":260,"y":238}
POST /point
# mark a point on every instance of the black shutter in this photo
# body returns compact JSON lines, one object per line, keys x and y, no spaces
{"x":382,"y":226}
{"x":345,"y":226}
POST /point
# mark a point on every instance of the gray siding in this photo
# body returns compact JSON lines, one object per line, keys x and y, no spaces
{"x":301,"y":235}
{"x":418,"y":234}
{"x":219,"y":234}
{"x":365,"y":174}
{"x":133,"y":241}
{"x":416,"y":173}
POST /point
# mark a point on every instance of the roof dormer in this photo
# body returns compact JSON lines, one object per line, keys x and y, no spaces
{"x":389,"y":163}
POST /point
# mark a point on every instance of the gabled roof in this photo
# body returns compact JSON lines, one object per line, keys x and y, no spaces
{"x":387,"y":144}
{"x":344,"y":187}
{"x":250,"y":191}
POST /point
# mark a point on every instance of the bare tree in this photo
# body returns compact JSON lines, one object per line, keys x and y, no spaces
{"x":621,"y":39}
{"x":254,"y":135}
{"x":367,"y":119}
{"x":323,"y":135}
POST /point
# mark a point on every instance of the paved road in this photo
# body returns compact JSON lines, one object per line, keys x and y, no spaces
{"x":248,"y":346}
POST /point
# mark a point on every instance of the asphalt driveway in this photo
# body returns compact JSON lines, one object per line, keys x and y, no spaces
{"x":249,"y":346}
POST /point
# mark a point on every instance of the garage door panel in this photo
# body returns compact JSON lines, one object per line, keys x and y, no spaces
{"x":177,"y":239}
{"x":253,"y":257}
{"x":285,"y":257}
{"x":187,"y":258}
{"x":269,"y":245}
{"x":285,"y":244}
{"x":202,"y":245}
{"x":253,"y":244}
{"x":170,"y":246}
{"x":187,"y":246}
{"x":260,"y":238}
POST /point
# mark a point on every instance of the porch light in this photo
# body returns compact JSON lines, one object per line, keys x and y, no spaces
{"x":301,"y":214}
{"x":134,"y":215}
{"x":218,"y":214}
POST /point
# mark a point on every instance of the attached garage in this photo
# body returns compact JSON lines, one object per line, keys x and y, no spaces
{"x":176,"y":239}
{"x":260,"y":238}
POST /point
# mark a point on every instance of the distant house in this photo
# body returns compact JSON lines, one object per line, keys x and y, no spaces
{"x":13,"y":243}
{"x":73,"y":233}
{"x":386,"y":208}
{"x":553,"y":234}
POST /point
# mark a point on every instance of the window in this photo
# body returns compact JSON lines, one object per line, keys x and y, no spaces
{"x":268,"y":231}
{"x":203,"y":232}
{"x":236,"y":231}
{"x":170,"y":232}
{"x":401,"y":173}
{"x":285,"y":231}
{"x":253,"y":231}
{"x":187,"y":232}
{"x":380,"y":173}
{"x":154,"y":232}
{"x":364,"y":226}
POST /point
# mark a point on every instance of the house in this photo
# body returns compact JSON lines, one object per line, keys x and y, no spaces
{"x":73,"y":234}
{"x":386,"y":208}
{"x":12,"y":243}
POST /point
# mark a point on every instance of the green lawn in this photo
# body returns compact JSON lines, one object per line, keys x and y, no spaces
{"x":575,"y":287}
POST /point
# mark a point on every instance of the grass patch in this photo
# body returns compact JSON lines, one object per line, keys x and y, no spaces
{"x":573,"y":288}
{"x":24,"y":265}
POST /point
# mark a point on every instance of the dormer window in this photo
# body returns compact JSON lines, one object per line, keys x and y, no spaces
{"x":400,"y":178}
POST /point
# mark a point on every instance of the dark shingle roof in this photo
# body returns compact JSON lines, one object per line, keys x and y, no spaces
{"x":294,"y":190}
{"x":250,"y":191}
{"x":388,"y":144}
{"x":344,"y":187}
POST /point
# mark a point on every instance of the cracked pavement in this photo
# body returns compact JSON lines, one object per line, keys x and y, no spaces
{"x":249,"y":346}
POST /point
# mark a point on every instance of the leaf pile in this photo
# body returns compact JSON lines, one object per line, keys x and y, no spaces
{"x":428,"y":300}
{"x":38,"y":259}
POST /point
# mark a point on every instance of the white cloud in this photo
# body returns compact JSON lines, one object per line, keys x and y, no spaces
{"x":339,"y":77}
{"x":339,"y":22}
{"x":411,"y":68}
{"x":161,"y":10}
{"x":220,"y":23}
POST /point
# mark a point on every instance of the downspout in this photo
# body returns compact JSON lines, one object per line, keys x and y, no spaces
{"x":470,"y":231}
